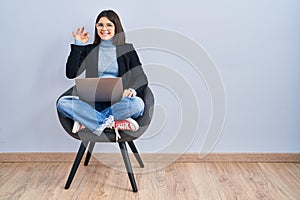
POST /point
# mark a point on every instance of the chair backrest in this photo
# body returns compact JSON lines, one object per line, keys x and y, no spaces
{"x":108,"y":136}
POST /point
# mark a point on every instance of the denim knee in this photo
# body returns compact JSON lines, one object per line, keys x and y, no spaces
{"x":139,"y":103}
{"x":138,"y":106}
{"x":62,"y":105}
{"x":65,"y":103}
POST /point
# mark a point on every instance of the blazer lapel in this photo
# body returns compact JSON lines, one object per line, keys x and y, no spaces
{"x":92,"y":63}
{"x":120,"y":60}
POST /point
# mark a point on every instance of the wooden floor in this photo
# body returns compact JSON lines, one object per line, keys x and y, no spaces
{"x":177,"y":181}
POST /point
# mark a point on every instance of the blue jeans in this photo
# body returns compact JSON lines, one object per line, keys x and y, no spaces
{"x":93,"y":115}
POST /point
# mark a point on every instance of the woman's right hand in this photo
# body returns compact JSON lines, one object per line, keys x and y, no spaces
{"x":80,"y":35}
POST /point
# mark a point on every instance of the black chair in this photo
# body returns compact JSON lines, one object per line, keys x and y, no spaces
{"x":88,"y":138}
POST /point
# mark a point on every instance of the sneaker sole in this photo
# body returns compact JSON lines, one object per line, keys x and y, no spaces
{"x":134,"y":123}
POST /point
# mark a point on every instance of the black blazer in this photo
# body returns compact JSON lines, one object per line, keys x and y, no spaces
{"x":130,"y":68}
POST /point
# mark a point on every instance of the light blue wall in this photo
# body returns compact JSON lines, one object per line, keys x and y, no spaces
{"x":254,"y":44}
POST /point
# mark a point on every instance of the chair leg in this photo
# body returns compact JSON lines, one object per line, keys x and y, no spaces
{"x":126,"y":159}
{"x":136,"y":153}
{"x":76,"y":163}
{"x":89,"y":153}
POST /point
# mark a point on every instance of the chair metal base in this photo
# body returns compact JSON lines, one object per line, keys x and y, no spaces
{"x":76,"y":163}
{"x":124,"y":153}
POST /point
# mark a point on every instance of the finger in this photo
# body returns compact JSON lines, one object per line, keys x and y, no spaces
{"x":73,"y":34}
{"x":78,"y":31}
{"x":133,"y":92}
{"x":86,"y":34}
{"x":82,"y":29}
{"x":125,"y":93}
{"x":130,"y":93}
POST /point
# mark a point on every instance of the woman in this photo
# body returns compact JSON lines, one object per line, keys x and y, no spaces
{"x":108,"y":56}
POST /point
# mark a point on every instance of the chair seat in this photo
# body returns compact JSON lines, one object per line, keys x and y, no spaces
{"x":109,"y":134}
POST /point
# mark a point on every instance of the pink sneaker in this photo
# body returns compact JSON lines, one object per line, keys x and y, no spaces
{"x":77,"y":127}
{"x":128,"y":124}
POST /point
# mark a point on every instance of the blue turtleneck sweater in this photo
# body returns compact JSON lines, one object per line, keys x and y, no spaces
{"x":107,"y":59}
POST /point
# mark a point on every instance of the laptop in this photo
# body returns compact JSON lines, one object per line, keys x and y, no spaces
{"x":99,"y":89}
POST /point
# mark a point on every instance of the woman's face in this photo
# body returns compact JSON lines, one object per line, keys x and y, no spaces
{"x":105,"y":28}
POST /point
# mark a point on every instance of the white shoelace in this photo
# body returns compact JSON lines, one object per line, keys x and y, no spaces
{"x":118,"y":136}
{"x":109,"y":123}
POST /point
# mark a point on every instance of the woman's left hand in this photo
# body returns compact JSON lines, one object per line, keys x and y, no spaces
{"x":129,"y":93}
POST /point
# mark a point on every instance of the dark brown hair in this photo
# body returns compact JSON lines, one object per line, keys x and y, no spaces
{"x":119,"y":37}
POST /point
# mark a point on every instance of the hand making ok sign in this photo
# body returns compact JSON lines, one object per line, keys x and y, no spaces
{"x":80,"y":35}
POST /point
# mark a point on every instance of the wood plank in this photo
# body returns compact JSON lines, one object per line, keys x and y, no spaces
{"x":216,"y":181}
